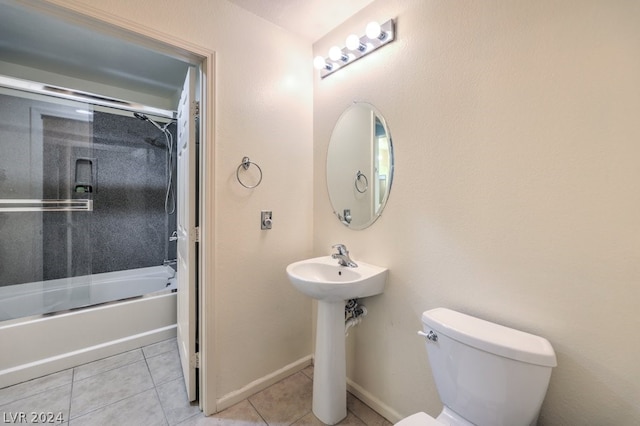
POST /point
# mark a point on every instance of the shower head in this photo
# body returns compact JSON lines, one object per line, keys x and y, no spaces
{"x":140,"y":116}
{"x":145,"y":118}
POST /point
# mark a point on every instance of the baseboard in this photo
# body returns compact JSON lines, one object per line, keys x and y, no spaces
{"x":378,"y":406}
{"x":262,"y":383}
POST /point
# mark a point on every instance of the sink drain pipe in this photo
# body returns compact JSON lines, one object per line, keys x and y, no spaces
{"x":353,"y":314}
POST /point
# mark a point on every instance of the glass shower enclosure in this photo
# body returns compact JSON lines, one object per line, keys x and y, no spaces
{"x":83,"y":195}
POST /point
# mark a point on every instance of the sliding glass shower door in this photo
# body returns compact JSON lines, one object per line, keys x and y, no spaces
{"x":47,"y":179}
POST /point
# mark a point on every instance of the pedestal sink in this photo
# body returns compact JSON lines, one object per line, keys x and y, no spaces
{"x":331,"y":284}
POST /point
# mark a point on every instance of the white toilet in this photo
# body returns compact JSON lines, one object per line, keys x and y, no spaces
{"x":486,"y":374}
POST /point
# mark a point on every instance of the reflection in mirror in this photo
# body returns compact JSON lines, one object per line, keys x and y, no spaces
{"x":359,"y":166}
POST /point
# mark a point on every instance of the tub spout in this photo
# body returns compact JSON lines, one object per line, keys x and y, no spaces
{"x":173,"y":264}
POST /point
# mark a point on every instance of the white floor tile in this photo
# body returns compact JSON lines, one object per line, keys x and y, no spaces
{"x":111,"y":363}
{"x":54,"y":401}
{"x":160,"y":348}
{"x":109,"y":387}
{"x":141,"y":409}
{"x":32,"y":387}
{"x":173,"y":397}
{"x":165,"y":367}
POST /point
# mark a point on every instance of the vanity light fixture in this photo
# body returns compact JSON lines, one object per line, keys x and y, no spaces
{"x":376,"y":36}
{"x":374,"y":31}
{"x":353,"y":43}
{"x":320,"y":63}
{"x":336,"y":54}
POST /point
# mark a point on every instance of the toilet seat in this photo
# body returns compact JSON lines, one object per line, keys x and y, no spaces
{"x":419,"y":419}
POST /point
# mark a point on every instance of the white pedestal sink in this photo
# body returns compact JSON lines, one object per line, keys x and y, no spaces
{"x":331,"y":285}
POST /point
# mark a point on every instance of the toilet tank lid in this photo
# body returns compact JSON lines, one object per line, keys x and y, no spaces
{"x":491,"y":337}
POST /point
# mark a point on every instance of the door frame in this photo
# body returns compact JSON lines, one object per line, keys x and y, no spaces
{"x":204,"y":60}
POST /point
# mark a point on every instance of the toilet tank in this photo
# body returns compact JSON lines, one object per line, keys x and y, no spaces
{"x":488,"y":374}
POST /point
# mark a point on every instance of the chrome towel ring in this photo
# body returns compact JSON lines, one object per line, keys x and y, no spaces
{"x":246,"y":163}
{"x":363,"y":181}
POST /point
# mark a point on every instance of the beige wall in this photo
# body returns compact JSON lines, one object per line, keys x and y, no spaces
{"x":263,"y":100}
{"x":516,"y":192}
{"x":515,"y":196}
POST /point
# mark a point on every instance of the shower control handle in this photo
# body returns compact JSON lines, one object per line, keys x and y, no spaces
{"x":266,"y":219}
{"x":429,"y":336}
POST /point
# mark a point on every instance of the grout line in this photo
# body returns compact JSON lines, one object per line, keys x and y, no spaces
{"x":119,"y":400}
{"x":110,"y":369}
{"x":73,"y":375}
{"x":303,"y":416}
{"x":155,"y":385}
{"x":190,"y":417}
{"x":356,"y":416}
{"x":155,"y":388}
{"x":43,"y":391}
{"x":144,"y":355}
{"x":144,"y":358}
{"x":108,"y":405}
{"x":257,"y":411}
{"x":21,"y":396}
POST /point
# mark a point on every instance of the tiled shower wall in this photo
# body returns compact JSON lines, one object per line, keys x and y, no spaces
{"x":128,"y":227}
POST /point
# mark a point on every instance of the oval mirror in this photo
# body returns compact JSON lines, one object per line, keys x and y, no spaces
{"x":359,"y":166}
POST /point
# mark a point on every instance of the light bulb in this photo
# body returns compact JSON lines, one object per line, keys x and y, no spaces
{"x":373,"y":30}
{"x":335,"y":53}
{"x":319,"y":63}
{"x":353,"y":42}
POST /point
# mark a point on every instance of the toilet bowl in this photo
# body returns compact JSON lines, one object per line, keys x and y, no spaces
{"x":486,"y":374}
{"x":446,"y":418}
{"x":419,"y":419}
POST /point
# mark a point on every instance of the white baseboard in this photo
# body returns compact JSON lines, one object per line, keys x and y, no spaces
{"x":378,"y":406}
{"x":262,"y":383}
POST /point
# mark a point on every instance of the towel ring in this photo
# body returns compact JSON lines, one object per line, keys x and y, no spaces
{"x":360,"y":177}
{"x":246,"y":163}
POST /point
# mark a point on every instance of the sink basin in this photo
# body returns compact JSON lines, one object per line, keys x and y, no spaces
{"x":324,"y":279}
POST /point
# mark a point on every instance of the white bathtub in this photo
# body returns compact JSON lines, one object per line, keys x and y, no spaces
{"x":42,"y":297}
{"x":37,"y":345}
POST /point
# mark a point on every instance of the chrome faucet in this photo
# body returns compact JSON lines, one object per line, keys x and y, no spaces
{"x":343,"y":256}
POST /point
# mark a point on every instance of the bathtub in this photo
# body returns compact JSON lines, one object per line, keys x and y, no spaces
{"x":42,"y":297}
{"x":121,"y":311}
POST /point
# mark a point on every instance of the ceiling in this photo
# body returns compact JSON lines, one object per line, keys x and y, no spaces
{"x":39,"y":41}
{"x":310,"y":19}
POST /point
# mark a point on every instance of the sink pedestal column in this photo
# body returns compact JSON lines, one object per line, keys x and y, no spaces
{"x":330,"y":372}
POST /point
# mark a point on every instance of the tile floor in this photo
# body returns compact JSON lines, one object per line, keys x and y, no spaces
{"x":144,"y":387}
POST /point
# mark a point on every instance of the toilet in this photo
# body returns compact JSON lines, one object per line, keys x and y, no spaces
{"x":486,"y":374}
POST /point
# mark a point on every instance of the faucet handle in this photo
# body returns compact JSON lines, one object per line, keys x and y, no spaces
{"x":342,"y":249}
